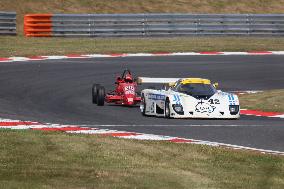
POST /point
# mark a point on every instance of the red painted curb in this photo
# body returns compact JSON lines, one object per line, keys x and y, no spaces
{"x":17,"y":123}
{"x":61,"y":129}
{"x":260,"y":113}
{"x":5,"y":59}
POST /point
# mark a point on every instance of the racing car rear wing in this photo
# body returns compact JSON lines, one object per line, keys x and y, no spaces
{"x":141,"y":80}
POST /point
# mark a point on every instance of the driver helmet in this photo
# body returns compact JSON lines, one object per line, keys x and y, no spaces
{"x":128,"y":77}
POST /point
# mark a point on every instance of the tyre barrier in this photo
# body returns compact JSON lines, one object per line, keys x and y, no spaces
{"x":38,"y":25}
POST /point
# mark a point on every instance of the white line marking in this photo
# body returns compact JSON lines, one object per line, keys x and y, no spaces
{"x":278,"y":116}
{"x":55,"y":57}
{"x":277,"y":52}
{"x":166,"y":125}
{"x":147,"y":137}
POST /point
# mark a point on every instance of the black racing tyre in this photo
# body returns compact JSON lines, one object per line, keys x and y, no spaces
{"x":94,"y":93}
{"x":143,"y":102}
{"x":101,"y":96}
{"x":167,"y":109}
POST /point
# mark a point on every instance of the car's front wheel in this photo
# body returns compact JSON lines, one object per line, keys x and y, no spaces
{"x":167,"y":109}
{"x":101,"y":96}
{"x":94,"y":93}
{"x":143,"y":105}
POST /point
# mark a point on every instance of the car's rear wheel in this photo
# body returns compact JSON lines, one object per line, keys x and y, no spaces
{"x":167,"y":109}
{"x":94,"y":93}
{"x":101,"y":96}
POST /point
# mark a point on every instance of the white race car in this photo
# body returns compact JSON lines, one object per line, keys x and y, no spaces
{"x":188,"y":98}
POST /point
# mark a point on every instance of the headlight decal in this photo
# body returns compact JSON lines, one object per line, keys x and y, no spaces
{"x":234,"y":109}
{"x":178,"y":109}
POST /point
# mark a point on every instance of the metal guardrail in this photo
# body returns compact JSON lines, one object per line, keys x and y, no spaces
{"x":144,"y":25}
{"x":8,"y":23}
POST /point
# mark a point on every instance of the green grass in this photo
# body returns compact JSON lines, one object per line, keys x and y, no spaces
{"x":31,"y":159}
{"x":34,"y":159}
{"x":272,"y":100}
{"x":21,"y":46}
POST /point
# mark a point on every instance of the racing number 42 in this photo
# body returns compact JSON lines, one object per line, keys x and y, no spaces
{"x":214,"y":101}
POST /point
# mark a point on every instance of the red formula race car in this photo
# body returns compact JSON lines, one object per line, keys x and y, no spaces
{"x":124,"y":93}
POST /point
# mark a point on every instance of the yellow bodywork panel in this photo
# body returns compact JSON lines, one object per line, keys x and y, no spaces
{"x":172,"y":84}
{"x":195,"y":80}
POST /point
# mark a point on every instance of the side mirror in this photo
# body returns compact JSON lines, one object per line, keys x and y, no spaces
{"x":216,"y":85}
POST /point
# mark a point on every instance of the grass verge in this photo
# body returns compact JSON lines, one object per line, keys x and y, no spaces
{"x":34,"y":159}
{"x":272,"y":100}
{"x":21,"y":46}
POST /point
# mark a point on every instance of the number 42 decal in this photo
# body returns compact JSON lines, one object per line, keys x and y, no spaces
{"x":214,"y":101}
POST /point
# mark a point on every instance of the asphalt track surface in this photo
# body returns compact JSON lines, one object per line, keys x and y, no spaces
{"x":59,"y":91}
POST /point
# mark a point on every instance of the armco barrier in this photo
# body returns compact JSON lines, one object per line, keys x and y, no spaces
{"x":8,"y":23}
{"x":115,"y":25}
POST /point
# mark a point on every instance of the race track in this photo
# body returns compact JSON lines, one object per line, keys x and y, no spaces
{"x":59,"y":91}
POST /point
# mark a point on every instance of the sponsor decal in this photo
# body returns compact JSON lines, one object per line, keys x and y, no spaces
{"x":204,"y":107}
{"x":129,"y":89}
{"x":130,"y":99}
{"x":156,"y":96}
